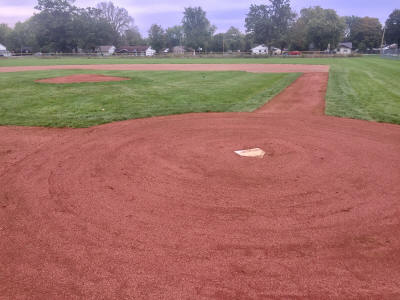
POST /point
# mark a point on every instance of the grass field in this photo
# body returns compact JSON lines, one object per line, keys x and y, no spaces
{"x":364,"y":87}
{"x":25,"y":102}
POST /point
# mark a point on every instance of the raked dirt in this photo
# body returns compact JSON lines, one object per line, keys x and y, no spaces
{"x":162,"y":208}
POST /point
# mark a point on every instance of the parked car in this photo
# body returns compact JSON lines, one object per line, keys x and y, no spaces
{"x":294,"y":53}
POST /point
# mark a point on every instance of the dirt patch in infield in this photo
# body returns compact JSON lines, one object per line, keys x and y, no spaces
{"x":79,"y":78}
{"x":143,"y":208}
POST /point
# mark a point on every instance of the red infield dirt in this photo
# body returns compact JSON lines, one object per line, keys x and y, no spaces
{"x":162,"y":208}
{"x":78,"y":78}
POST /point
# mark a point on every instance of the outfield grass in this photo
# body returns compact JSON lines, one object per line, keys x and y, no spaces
{"x":365,"y":88}
{"x":25,"y":102}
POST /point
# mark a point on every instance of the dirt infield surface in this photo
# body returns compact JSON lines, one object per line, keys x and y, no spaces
{"x":77,"y":78}
{"x":162,"y":208}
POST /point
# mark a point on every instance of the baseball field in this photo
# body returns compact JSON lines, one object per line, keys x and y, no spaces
{"x":118,"y":178}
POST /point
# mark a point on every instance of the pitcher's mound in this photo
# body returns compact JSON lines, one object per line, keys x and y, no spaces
{"x":82,"y":78}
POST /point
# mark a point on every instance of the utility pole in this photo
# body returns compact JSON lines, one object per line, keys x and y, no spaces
{"x":223,"y":44}
{"x":383,"y":39}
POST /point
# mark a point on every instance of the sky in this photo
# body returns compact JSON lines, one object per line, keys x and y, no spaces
{"x":221,"y":13}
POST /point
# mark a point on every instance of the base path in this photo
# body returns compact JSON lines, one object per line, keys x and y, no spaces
{"x":162,"y":208}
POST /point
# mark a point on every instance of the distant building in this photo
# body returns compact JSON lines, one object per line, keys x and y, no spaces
{"x":137,"y":50}
{"x":106,"y":50}
{"x":344,"y":48}
{"x":150,"y":51}
{"x":3,"y":51}
{"x":276,"y":51}
{"x":260,"y":50}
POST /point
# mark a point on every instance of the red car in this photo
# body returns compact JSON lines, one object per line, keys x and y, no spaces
{"x":294,"y":53}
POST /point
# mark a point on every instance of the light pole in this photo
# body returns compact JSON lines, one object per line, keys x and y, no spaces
{"x":223,"y":44}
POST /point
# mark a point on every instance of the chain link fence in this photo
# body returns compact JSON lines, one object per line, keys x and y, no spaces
{"x":391,"y":52}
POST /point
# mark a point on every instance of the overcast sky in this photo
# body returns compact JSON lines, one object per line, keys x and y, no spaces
{"x":222,"y":13}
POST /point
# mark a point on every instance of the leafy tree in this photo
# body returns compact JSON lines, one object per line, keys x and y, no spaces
{"x":362,"y":32}
{"x":258,"y":24}
{"x":174,"y":36}
{"x":132,"y":37}
{"x":156,"y":37}
{"x":216,"y":43}
{"x":5,"y":32}
{"x":393,"y":27}
{"x":234,"y":40}
{"x":366,"y":33}
{"x":270,"y":24}
{"x":54,"y":25}
{"x":319,"y":27}
{"x":118,"y":17}
{"x":22,"y":36}
{"x":298,"y":35}
{"x":349,"y":22}
{"x":92,"y":29}
{"x":197,"y":28}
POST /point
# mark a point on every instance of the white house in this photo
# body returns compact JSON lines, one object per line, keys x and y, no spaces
{"x":260,"y":50}
{"x":3,"y":51}
{"x":344,"y":48}
{"x":106,"y":50}
{"x":150,"y":51}
{"x":276,"y":51}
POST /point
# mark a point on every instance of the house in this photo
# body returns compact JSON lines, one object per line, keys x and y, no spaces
{"x":106,"y":50}
{"x":276,"y":51}
{"x":344,"y":48}
{"x":178,"y":50}
{"x":150,"y":51}
{"x":137,"y":50}
{"x":3,"y":51}
{"x":260,"y":50}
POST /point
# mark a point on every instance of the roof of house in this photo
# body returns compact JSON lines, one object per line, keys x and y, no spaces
{"x":139,"y":48}
{"x":2,"y":47}
{"x":260,"y":46}
{"x":105,"y":48}
{"x":346,"y":45}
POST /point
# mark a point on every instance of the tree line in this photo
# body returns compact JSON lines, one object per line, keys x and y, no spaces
{"x":60,"y":26}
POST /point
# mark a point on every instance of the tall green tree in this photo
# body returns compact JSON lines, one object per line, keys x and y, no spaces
{"x":132,"y":37}
{"x":270,"y":24}
{"x":349,"y":22}
{"x":5,"y":32}
{"x":91,"y":29}
{"x":23,"y":35}
{"x":118,"y":17}
{"x":234,"y":39}
{"x":174,"y":36}
{"x":197,"y":28}
{"x":156,"y":37}
{"x":54,"y":25}
{"x":366,"y":33}
{"x":319,"y":28}
{"x":393,"y":27}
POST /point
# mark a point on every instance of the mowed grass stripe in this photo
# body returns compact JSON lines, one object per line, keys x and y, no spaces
{"x":365,"y":89}
{"x":147,"y":94}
